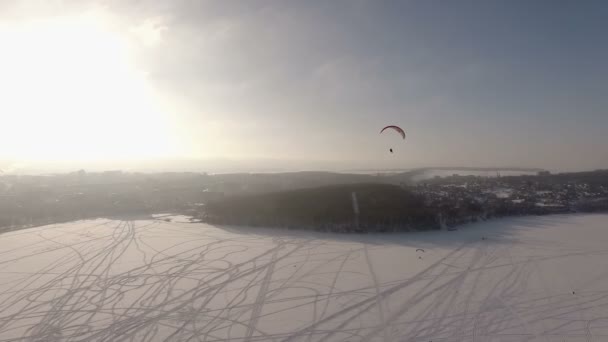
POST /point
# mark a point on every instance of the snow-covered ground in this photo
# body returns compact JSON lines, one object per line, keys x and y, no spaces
{"x":520,"y":279}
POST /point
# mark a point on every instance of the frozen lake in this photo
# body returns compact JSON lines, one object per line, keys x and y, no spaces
{"x":519,"y":279}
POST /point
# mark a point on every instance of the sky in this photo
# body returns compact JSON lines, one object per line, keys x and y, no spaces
{"x":305,"y":83}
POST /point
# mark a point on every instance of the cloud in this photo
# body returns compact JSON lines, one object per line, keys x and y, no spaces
{"x":149,"y":31}
{"x":304,"y":78}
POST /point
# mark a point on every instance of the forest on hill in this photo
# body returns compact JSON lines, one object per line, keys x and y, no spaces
{"x":382,"y":207}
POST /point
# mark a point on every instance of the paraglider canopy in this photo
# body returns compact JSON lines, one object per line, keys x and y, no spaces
{"x":395,"y":128}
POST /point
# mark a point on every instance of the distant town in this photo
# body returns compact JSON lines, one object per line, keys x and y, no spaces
{"x":462,"y":199}
{"x":310,"y":200}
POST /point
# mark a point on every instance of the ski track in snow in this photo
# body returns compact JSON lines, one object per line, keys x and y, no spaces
{"x":531,"y":279}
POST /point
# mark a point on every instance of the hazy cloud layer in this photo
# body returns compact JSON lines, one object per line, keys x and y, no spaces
{"x":472,"y":82}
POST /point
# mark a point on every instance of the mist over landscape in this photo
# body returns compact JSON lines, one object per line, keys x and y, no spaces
{"x":198,"y":170}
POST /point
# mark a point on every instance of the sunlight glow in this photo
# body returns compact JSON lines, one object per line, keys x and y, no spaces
{"x":71,"y":92}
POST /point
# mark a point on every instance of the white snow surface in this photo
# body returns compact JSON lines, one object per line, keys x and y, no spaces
{"x":518,"y":279}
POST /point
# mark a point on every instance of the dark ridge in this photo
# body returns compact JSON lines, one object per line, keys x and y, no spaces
{"x":383,"y":207}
